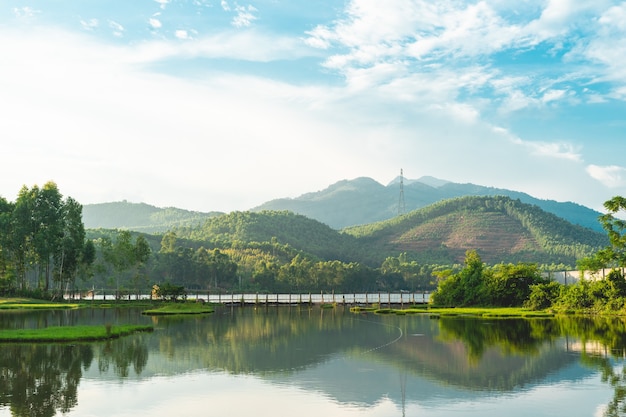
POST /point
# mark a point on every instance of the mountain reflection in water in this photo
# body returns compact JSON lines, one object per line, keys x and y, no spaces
{"x":239,"y":360}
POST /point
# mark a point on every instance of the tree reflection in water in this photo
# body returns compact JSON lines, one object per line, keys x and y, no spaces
{"x":601,"y":340}
{"x":39,"y":380}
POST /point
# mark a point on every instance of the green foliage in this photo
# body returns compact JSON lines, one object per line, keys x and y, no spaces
{"x":169,"y":291}
{"x":511,"y":285}
{"x":466,"y":288}
{"x":543,"y":295}
{"x":42,"y":236}
{"x":614,"y":254}
{"x":504,"y":285}
{"x":605,"y":296}
{"x":123,"y":254}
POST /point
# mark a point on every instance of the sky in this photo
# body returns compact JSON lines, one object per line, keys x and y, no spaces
{"x":213,"y":105}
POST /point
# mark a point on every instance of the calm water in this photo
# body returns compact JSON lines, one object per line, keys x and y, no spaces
{"x":287,"y":361}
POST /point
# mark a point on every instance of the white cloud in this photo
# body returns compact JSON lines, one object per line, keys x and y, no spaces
{"x":553,"y":95}
{"x":90,"y":24}
{"x":118,"y":30}
{"x":247,"y":45}
{"x":182,"y":34}
{"x":416,"y":34}
{"x":611,"y":176}
{"x":606,"y":48}
{"x":245,"y":16}
{"x":25,"y":12}
{"x":558,"y":150}
{"x":155,"y":23}
{"x":162,"y":3}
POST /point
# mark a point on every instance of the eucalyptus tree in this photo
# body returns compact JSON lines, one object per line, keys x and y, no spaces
{"x":6,"y":266}
{"x":75,"y":254}
{"x":22,"y":232}
{"x":48,"y":229}
{"x":124,"y":255}
{"x":43,"y":233}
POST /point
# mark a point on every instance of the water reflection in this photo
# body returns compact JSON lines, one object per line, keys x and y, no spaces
{"x":40,"y":380}
{"x":331,"y":358}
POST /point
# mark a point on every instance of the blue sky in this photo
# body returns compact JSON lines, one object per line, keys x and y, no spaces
{"x":222,"y":105}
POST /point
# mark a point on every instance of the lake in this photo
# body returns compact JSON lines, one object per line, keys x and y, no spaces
{"x":296,"y":360}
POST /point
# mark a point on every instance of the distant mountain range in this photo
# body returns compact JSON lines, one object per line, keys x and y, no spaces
{"x":140,"y":217}
{"x":363,"y":201}
{"x":344,"y":204}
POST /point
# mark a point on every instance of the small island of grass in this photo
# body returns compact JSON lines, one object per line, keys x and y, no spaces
{"x":18,"y":303}
{"x":180,"y":308}
{"x":71,"y":333}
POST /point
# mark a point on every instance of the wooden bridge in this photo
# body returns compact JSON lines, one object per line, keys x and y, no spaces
{"x":350,"y":299}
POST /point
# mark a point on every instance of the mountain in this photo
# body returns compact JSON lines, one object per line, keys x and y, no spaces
{"x":364,"y":200}
{"x":499,"y":228}
{"x":140,"y":217}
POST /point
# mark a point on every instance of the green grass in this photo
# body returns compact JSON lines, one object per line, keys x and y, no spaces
{"x":180,"y":308}
{"x":16,"y":303}
{"x":487,"y":312}
{"x":71,"y":333}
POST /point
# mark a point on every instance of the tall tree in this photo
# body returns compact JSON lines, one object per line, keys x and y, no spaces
{"x":48,"y":228}
{"x":614,"y":255}
{"x":22,"y":232}
{"x":73,"y":253}
{"x":6,"y":255}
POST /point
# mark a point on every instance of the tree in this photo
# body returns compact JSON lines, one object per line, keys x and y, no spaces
{"x":465,"y":288}
{"x":510,"y":285}
{"x":75,"y":253}
{"x":7,"y":275}
{"x":614,"y":255}
{"x":47,"y":215}
{"x":124,"y":255}
{"x":22,"y":231}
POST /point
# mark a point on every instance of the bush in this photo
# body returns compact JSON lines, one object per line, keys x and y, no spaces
{"x":170,"y":292}
{"x":543,"y":296}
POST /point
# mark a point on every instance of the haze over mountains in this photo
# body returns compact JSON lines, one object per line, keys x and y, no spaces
{"x":363,"y":200}
{"x":343,"y":204}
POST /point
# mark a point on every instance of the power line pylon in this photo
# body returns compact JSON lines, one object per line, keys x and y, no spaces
{"x":401,"y":204}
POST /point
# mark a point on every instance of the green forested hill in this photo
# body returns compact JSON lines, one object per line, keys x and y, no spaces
{"x":499,"y":228}
{"x":139,"y":217}
{"x":282,"y":227}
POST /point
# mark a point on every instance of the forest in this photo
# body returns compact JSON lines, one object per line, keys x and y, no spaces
{"x":45,"y":248}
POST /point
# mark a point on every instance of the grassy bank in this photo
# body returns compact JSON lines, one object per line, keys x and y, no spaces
{"x":71,"y":333}
{"x":180,"y":308}
{"x":495,"y":312}
{"x":17,"y":303}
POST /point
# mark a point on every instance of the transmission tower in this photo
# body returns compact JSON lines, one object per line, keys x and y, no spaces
{"x":401,"y":204}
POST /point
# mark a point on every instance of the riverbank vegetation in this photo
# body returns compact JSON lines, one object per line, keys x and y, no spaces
{"x":522,"y":285}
